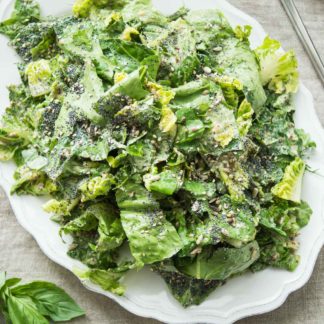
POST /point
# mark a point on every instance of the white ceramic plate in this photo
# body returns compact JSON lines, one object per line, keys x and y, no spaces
{"x":147,"y":295}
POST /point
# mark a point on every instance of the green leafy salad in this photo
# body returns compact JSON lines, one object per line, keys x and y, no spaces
{"x":163,"y":141}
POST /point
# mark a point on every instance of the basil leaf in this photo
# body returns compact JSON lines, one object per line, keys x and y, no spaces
{"x":50,"y":300}
{"x":12,"y":282}
{"x":22,"y":310}
{"x":2,"y":279}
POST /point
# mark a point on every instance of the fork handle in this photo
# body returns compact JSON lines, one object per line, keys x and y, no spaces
{"x":304,"y":36}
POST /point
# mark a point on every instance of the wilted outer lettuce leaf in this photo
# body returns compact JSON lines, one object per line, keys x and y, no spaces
{"x":219,"y":263}
{"x":25,"y":12}
{"x":187,"y":290}
{"x":289,"y":187}
{"x":151,"y":237}
{"x":278,"y":69}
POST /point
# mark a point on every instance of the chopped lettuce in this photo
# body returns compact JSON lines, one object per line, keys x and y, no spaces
{"x":161,"y":140}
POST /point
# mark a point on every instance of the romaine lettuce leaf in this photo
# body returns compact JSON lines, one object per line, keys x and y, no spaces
{"x":79,"y":102}
{"x":232,"y":89}
{"x":25,"y":12}
{"x":77,"y":39}
{"x":200,"y":190}
{"x":223,"y":126}
{"x":61,"y":207}
{"x":187,"y":290}
{"x":278,"y":69}
{"x":131,"y":86}
{"x":234,"y":177}
{"x":151,"y":237}
{"x":148,"y":14}
{"x":176,"y":47}
{"x":34,"y":182}
{"x":238,"y":61}
{"x":289,"y":187}
{"x":96,"y":186}
{"x":166,"y":182}
{"x":81,"y":8}
{"x":127,"y":56}
{"x":219,"y":263}
{"x":276,"y":251}
{"x":244,"y":117}
{"x":229,"y":221}
{"x":103,"y":218}
{"x":106,"y":279}
{"x":39,"y":77}
{"x":285,"y":218}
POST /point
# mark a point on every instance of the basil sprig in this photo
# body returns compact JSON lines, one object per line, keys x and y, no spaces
{"x":35,"y":302}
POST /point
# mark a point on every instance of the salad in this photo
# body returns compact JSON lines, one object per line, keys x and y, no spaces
{"x":163,"y":141}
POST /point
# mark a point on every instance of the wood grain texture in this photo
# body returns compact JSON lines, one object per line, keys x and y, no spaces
{"x":20,"y":255}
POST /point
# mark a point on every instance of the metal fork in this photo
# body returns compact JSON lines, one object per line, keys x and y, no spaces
{"x":304,"y":36}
